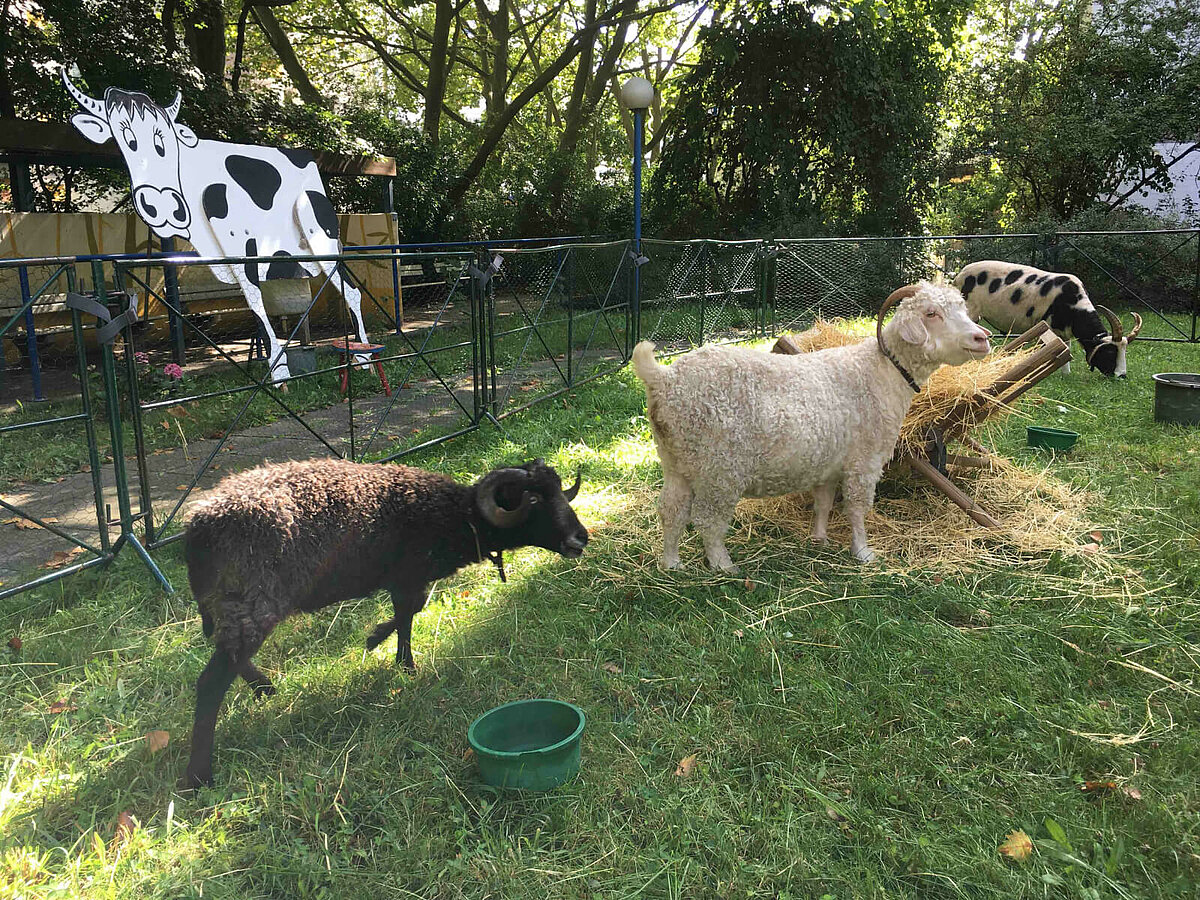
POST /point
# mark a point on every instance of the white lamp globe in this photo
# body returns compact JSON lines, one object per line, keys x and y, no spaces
{"x":637,"y":93}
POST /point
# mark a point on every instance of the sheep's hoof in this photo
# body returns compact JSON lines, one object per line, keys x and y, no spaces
{"x":670,"y":565}
{"x":820,"y":541}
{"x":193,"y":781}
{"x":866,"y":555}
{"x":730,"y":569}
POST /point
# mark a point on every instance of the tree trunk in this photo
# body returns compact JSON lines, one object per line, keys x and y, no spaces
{"x":439,"y":68}
{"x":205,"y":31}
{"x":283,"y":49}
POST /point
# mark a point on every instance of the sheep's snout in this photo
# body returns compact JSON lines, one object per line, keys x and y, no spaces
{"x":572,"y":546}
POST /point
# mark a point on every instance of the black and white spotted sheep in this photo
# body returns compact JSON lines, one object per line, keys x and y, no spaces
{"x":1014,"y":297}
{"x":228,"y":200}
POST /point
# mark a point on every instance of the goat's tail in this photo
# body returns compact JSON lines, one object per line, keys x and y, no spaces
{"x":646,"y":366}
{"x":201,"y":576}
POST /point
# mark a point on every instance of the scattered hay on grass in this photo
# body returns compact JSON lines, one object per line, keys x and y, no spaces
{"x":914,"y":523}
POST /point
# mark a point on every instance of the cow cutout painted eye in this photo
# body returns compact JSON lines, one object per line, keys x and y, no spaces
{"x":129,"y":138}
{"x":159,"y":147}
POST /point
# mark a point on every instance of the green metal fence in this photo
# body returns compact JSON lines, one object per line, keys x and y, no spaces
{"x":100,"y":449}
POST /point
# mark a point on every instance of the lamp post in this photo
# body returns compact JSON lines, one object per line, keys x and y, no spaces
{"x":637,"y":94}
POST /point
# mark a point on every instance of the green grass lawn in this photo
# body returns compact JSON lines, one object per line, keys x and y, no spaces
{"x":857,"y":731}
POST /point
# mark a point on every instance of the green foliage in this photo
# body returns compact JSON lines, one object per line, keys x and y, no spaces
{"x":807,"y":119}
{"x":1057,"y":105}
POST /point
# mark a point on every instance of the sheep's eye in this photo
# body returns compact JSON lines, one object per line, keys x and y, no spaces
{"x":932,"y":314}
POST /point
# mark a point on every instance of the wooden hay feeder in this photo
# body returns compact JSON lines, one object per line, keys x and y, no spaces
{"x":1043,"y":353}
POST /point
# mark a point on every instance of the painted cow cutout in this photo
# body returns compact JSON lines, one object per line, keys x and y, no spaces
{"x":226,"y":199}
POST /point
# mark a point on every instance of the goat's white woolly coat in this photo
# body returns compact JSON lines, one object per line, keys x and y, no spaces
{"x":731,"y":422}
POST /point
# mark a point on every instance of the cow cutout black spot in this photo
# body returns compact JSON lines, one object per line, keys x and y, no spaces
{"x":298,"y":157}
{"x":323,"y":210}
{"x":258,"y":178}
{"x":215,"y":202}
{"x":284,"y":267}
{"x":251,"y":268}
{"x":1016,"y":296}
{"x":994,"y":286}
{"x":1013,"y":275}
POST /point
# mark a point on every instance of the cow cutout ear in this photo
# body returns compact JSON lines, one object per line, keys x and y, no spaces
{"x":912,"y":330}
{"x":187,"y":137}
{"x":92,"y":127}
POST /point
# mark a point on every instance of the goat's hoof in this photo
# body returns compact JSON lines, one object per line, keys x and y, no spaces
{"x":670,"y":565}
{"x":866,"y":555}
{"x":820,"y":541}
{"x":730,"y":569}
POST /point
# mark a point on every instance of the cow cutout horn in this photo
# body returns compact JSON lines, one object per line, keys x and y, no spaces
{"x":1114,"y":324}
{"x":492,"y":511}
{"x":893,"y":300}
{"x":573,"y":491}
{"x":173,"y":109}
{"x":89,"y":103}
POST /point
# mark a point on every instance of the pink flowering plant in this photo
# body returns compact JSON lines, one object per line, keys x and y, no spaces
{"x":158,"y":381}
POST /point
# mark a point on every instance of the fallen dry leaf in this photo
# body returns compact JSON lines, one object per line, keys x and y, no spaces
{"x":126,"y":826}
{"x":61,"y":558}
{"x":686,"y":766}
{"x":1093,"y":547}
{"x":469,"y":755}
{"x":165,"y":424}
{"x":30,"y":526}
{"x":61,"y":706}
{"x":1132,"y":793}
{"x":157,"y":740}
{"x":14,"y":643}
{"x":748,"y":585}
{"x":834,"y":814}
{"x":1096,"y":536}
{"x":1098,"y":787}
{"x":178,"y":412}
{"x":1017,"y":846}
{"x":181,"y":487}
{"x":612,"y":667}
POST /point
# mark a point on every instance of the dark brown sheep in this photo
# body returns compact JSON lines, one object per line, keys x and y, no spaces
{"x":300,"y":536}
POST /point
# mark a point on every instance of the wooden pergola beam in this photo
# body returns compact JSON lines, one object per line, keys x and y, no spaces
{"x":54,"y":143}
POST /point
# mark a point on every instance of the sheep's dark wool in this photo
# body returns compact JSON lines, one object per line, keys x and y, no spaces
{"x":300,"y":536}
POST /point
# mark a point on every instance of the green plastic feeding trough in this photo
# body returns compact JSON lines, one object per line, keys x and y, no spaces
{"x":1177,"y":398}
{"x":1051,"y":438}
{"x":528,"y":744}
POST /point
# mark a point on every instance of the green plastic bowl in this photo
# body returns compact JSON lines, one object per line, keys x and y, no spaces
{"x":1051,"y":438}
{"x":528,"y":744}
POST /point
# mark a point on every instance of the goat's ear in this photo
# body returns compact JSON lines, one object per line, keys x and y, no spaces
{"x":912,"y":329}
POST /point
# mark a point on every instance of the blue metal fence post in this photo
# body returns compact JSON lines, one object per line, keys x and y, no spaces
{"x":35,"y":362}
{"x":637,"y":94}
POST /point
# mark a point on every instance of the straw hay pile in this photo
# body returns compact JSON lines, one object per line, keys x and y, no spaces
{"x":1039,"y":514}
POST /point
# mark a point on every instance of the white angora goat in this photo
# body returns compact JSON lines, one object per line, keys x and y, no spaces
{"x":730,"y":422}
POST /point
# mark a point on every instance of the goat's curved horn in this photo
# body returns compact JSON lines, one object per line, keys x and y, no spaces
{"x":573,"y":491}
{"x":173,"y":109}
{"x":1137,"y":327}
{"x":892,"y":301}
{"x":1114,"y":324}
{"x":492,"y":511}
{"x":91,"y":104}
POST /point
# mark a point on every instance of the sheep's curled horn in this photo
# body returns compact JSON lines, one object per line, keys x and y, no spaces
{"x":1114,"y":324}
{"x":497,"y":515}
{"x":889,"y":304}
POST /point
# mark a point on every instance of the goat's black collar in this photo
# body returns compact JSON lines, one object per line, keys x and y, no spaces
{"x":495,"y":557}
{"x":912,"y":382}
